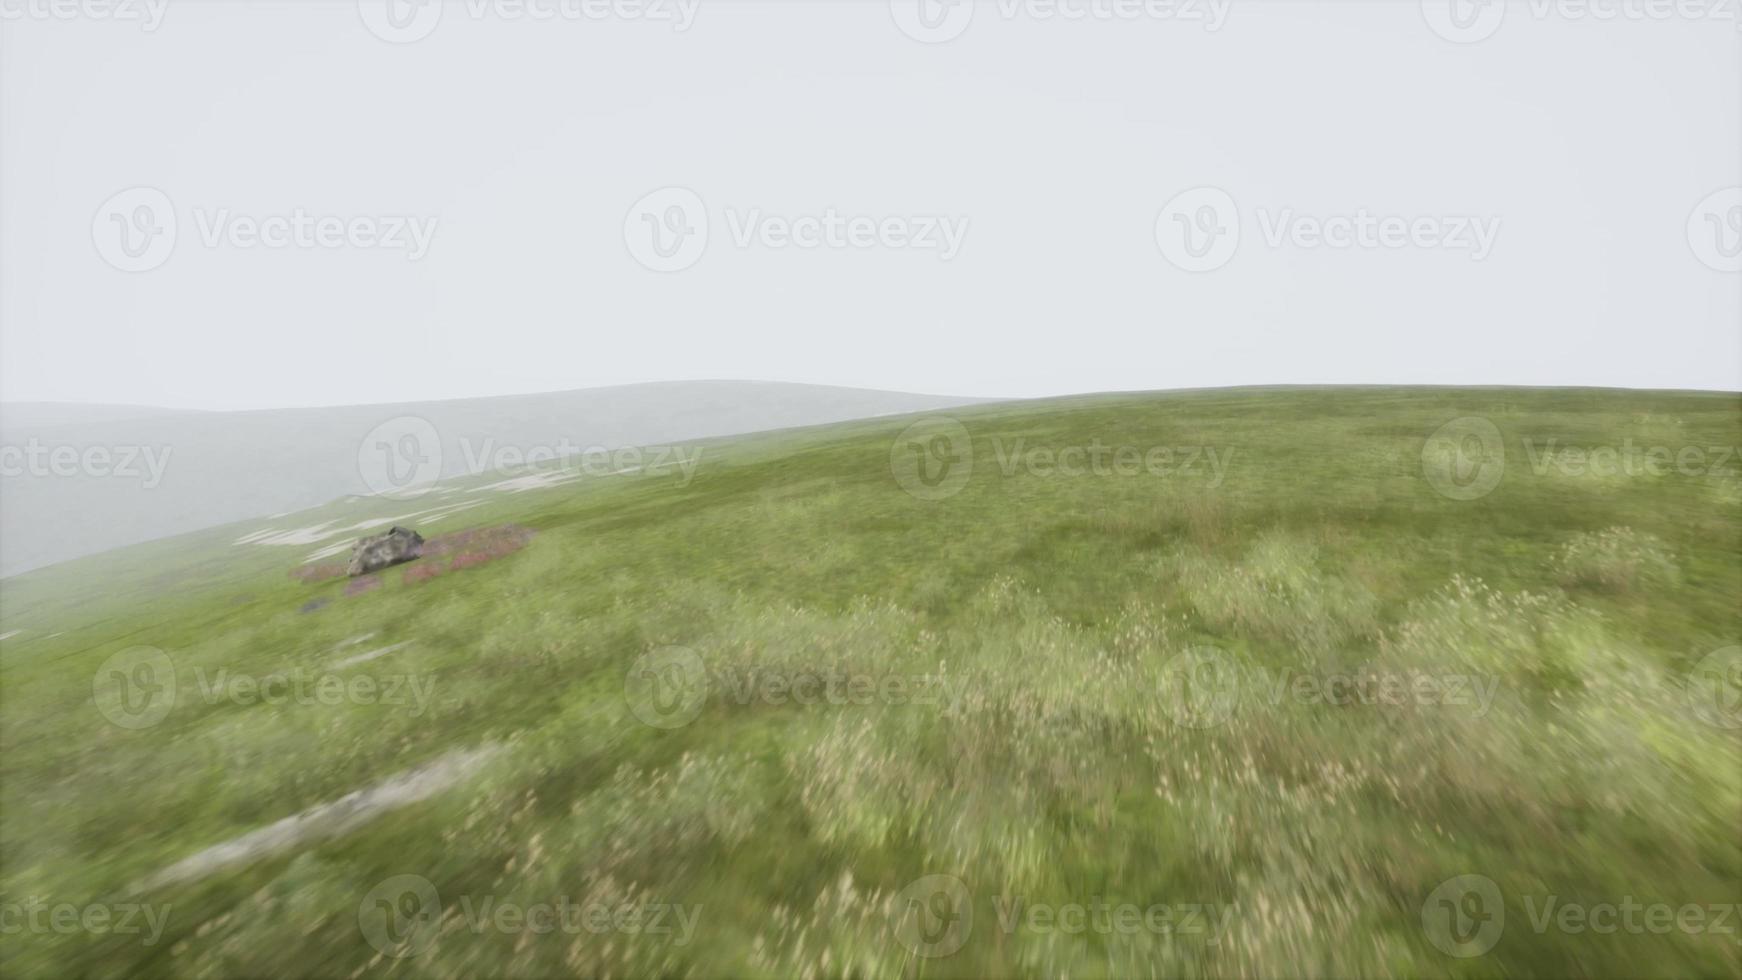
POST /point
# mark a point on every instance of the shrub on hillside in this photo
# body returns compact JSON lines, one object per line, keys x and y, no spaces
{"x":1278,"y":594}
{"x":1618,"y":559}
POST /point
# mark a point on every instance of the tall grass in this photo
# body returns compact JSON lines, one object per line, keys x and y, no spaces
{"x":1068,"y":755}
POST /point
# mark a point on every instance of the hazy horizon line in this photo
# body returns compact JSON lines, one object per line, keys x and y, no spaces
{"x":169,"y":409}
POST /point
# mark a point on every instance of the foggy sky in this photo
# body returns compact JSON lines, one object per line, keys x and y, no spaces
{"x":1049,"y":148}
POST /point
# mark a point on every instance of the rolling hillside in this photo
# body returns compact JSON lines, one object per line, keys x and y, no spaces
{"x":1223,"y":683}
{"x":163,"y":472}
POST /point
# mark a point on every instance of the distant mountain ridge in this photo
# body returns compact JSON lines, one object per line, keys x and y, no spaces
{"x":36,"y":415}
{"x":210,"y":468}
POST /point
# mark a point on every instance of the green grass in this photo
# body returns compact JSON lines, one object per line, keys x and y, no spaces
{"x":1047,"y":611}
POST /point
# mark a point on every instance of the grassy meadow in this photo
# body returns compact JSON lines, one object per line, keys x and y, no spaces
{"x":1235,"y":683}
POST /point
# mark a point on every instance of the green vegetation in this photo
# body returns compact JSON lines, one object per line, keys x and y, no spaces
{"x":1032,"y":729}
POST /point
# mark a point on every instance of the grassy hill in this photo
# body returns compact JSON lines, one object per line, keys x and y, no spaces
{"x":174,"y":472}
{"x":851,"y":702}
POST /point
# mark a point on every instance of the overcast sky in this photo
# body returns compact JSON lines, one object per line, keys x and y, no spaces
{"x":986,"y":202}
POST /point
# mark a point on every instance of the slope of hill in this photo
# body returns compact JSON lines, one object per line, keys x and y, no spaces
{"x":1224,"y":683}
{"x":163,"y":472}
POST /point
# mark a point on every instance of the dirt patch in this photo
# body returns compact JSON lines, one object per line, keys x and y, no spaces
{"x":317,"y":573}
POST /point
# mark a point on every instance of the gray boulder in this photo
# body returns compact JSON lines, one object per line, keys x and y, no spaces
{"x":381,"y":550}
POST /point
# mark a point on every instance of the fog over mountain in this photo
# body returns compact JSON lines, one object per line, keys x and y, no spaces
{"x":80,"y":479}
